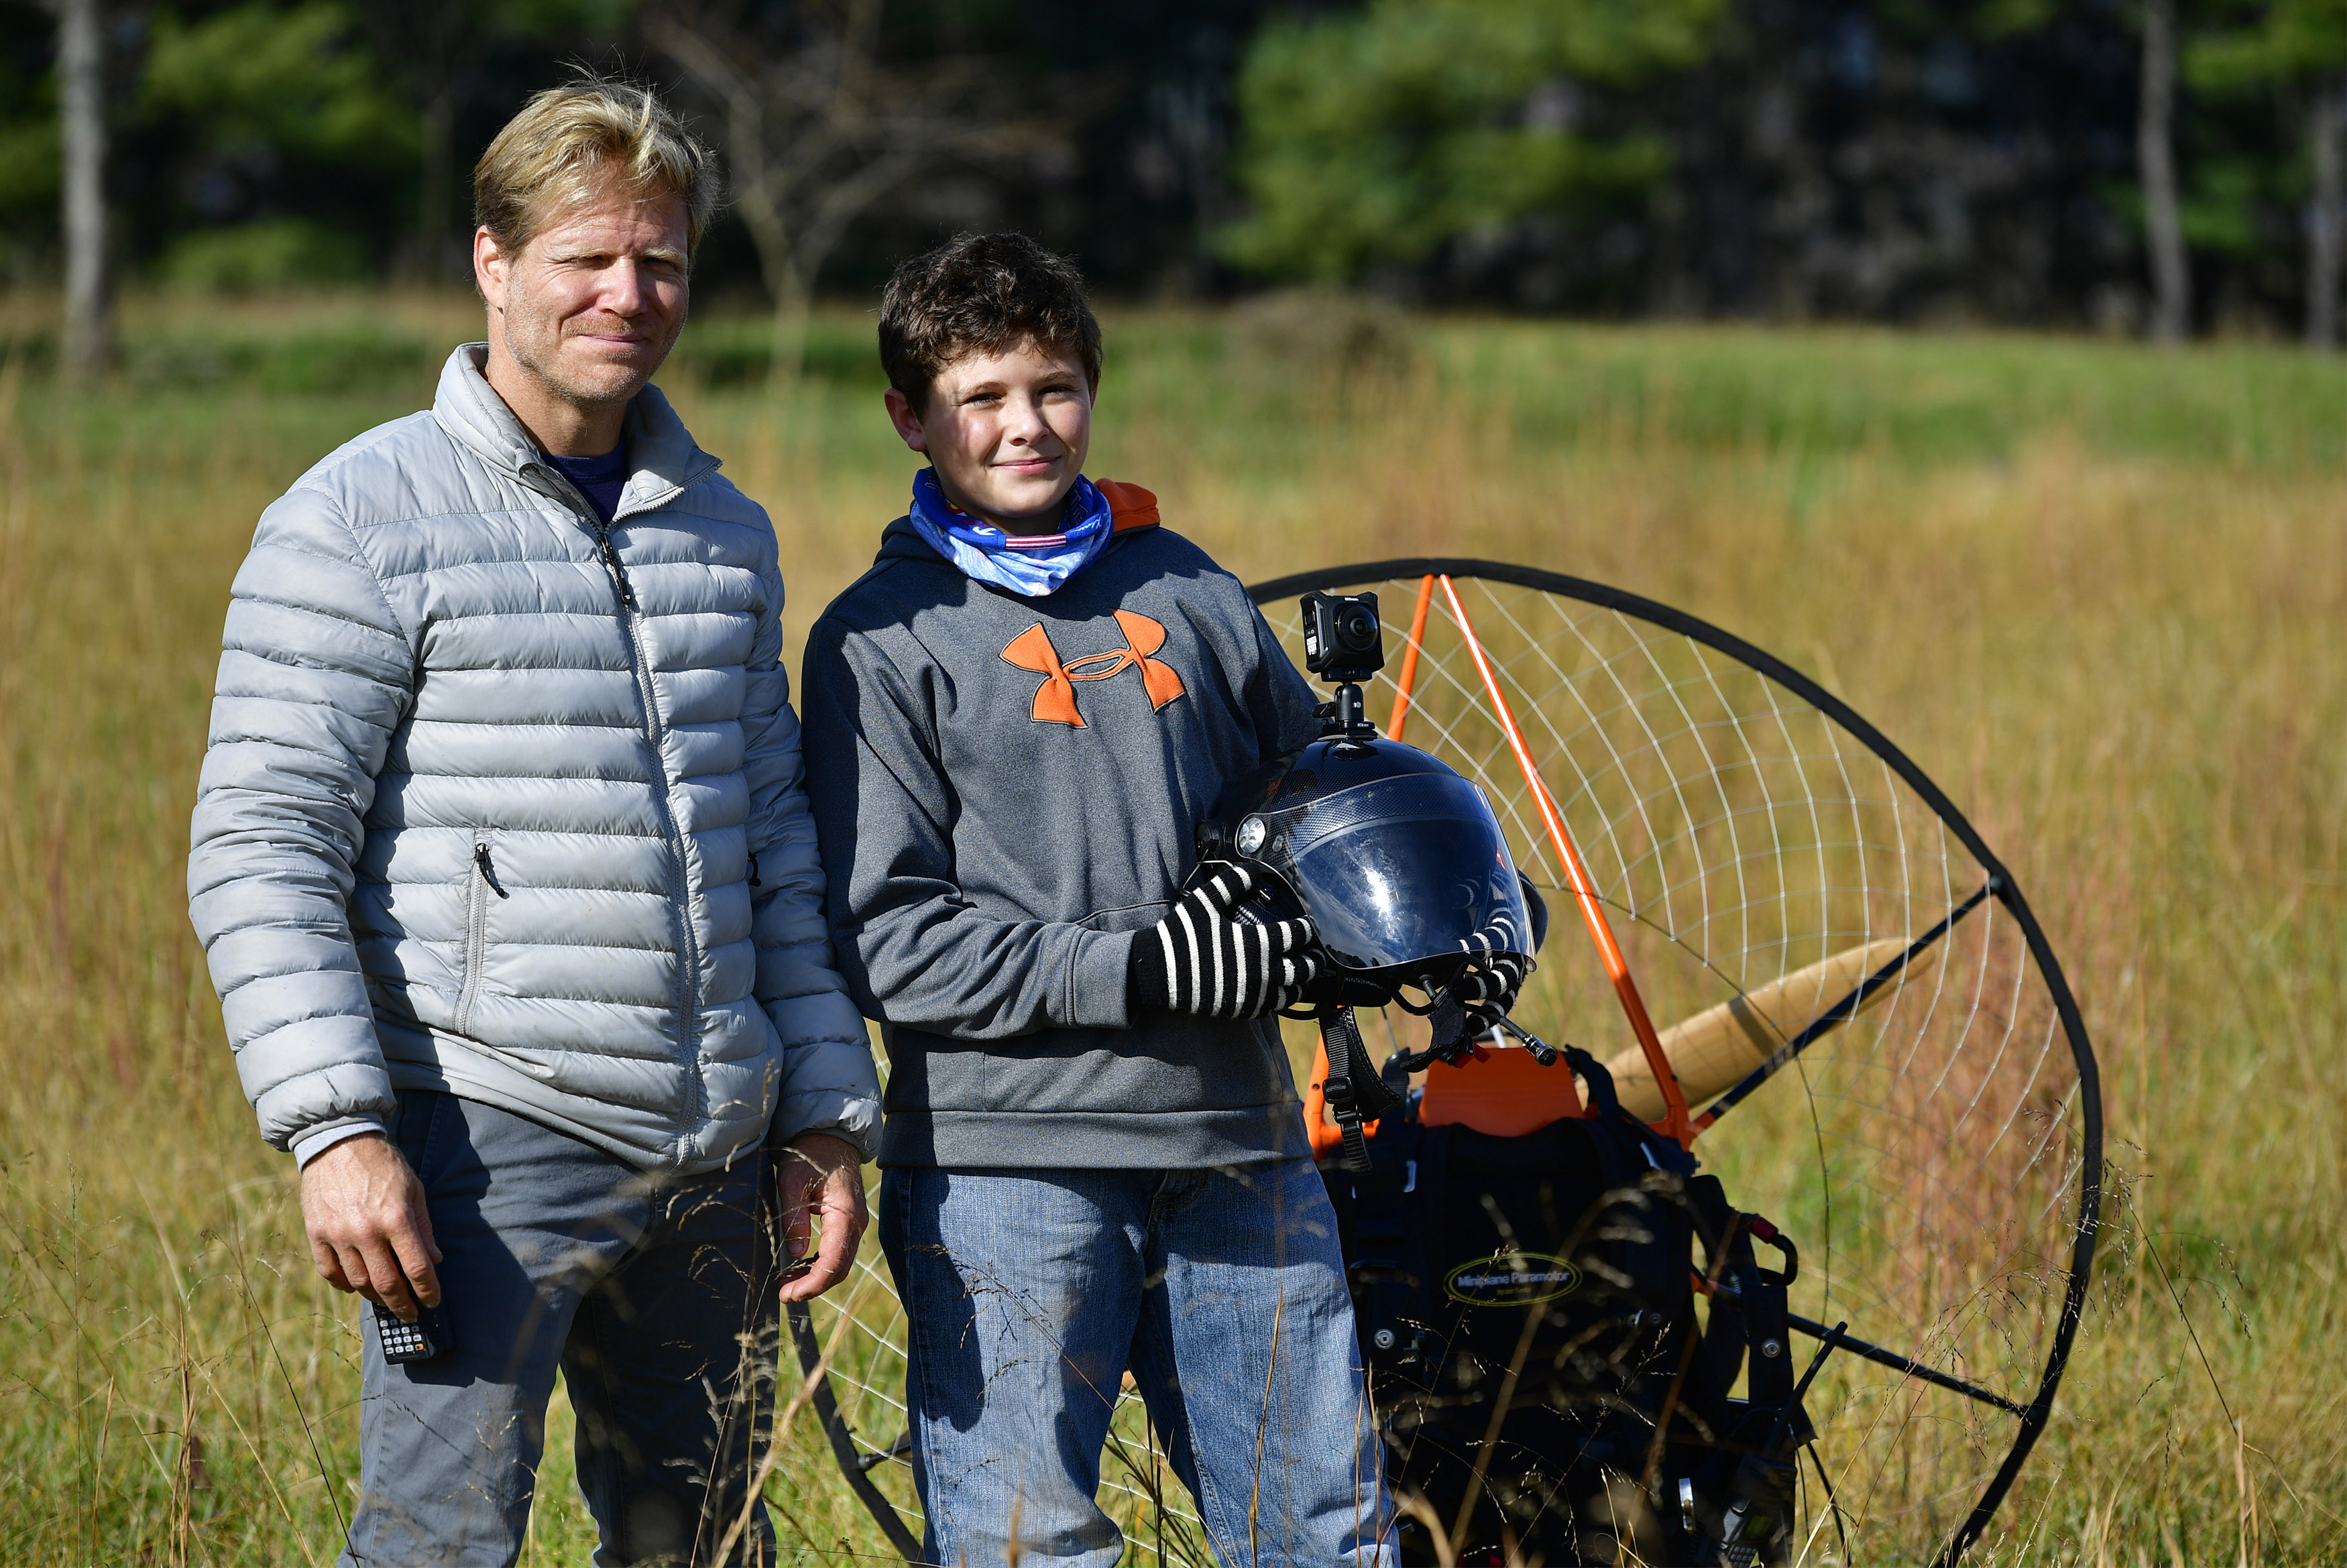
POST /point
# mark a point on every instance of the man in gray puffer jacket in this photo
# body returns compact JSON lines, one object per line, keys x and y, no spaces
{"x":506,"y":873}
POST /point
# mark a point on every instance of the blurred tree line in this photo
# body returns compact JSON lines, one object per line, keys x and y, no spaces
{"x":2167,"y":166}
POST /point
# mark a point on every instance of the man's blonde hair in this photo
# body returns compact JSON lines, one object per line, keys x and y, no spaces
{"x":556,"y":149}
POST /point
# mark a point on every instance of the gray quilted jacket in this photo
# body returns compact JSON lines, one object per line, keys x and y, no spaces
{"x":496,"y":805}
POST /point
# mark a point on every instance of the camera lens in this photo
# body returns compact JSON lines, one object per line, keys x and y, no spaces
{"x":1357,"y":629}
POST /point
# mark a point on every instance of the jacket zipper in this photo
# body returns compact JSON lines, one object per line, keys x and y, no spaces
{"x":477,"y":932}
{"x":619,"y":572}
{"x":680,"y":888}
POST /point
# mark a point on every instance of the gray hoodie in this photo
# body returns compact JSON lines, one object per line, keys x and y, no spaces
{"x":1006,"y":789}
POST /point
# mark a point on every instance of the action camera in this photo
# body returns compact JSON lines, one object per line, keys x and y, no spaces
{"x":1342,"y":639}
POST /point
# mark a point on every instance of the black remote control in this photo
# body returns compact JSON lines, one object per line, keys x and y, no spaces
{"x":404,"y":1342}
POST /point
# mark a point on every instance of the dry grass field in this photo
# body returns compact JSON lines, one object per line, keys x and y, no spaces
{"x":2099,"y":592}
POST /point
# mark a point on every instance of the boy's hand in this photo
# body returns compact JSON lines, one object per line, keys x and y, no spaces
{"x":1201,"y":959}
{"x":1488,"y":994}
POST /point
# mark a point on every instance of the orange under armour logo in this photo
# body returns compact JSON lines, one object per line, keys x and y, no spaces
{"x":1056,"y":702}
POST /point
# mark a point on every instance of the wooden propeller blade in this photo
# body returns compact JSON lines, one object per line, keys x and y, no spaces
{"x":1713,"y":1050}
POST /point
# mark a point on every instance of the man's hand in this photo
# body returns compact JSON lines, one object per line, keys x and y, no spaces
{"x":368,"y":1229}
{"x":819,"y":1175}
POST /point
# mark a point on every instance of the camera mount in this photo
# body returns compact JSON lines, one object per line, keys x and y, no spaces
{"x":1344,"y":643}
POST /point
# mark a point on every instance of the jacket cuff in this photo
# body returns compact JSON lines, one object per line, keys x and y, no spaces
{"x":317,"y":1140}
{"x":1100,"y":980}
{"x":852,"y":1116}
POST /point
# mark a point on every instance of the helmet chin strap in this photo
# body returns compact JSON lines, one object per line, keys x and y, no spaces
{"x":1354,"y":1088}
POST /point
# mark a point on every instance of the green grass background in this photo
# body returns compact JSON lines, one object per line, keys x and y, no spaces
{"x":2098,"y":591}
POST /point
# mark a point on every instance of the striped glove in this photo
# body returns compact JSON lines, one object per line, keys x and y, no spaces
{"x":1491,"y":990}
{"x":1488,"y":994}
{"x":1204,"y":959}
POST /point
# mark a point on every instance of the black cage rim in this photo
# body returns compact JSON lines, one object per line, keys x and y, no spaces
{"x":2008,"y":893}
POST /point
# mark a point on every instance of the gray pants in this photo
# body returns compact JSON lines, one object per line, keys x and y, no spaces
{"x":655,"y":1297}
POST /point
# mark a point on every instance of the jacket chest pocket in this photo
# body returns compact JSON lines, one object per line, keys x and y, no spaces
{"x":481,"y":888}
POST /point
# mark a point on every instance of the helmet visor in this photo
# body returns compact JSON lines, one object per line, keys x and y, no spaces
{"x":1403,"y":872}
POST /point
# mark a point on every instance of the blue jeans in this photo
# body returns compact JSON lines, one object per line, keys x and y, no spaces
{"x":656,"y":1298}
{"x":1029,"y":1293}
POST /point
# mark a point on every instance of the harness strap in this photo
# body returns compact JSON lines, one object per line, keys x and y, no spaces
{"x":1770,"y":1369}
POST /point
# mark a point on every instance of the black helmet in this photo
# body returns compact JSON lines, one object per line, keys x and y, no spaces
{"x":1396,"y":856}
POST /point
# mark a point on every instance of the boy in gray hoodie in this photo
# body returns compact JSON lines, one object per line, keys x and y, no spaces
{"x":1093,"y":1157}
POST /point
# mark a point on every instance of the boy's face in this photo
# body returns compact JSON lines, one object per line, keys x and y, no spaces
{"x":1006,"y":433}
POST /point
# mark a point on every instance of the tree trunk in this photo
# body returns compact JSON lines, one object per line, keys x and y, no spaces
{"x":81,"y":103}
{"x":2154,"y":157}
{"x":761,"y":213}
{"x":2325,"y":218}
{"x":434,"y":253}
{"x":793,"y":304}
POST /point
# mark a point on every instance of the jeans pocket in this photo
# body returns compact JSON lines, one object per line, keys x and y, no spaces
{"x":416,"y":1130}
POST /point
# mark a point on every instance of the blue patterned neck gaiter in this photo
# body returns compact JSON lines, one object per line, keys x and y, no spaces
{"x":1027,"y":564}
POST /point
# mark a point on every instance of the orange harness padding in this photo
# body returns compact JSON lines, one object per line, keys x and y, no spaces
{"x":1507,"y":1095}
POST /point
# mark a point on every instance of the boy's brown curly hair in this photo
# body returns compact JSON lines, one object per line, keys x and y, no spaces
{"x":983,"y":293}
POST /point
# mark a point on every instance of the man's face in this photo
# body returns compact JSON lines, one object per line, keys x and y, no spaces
{"x":593,"y":303}
{"x":1006,"y":433}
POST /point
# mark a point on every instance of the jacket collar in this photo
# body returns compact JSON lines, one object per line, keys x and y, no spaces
{"x":663,"y":460}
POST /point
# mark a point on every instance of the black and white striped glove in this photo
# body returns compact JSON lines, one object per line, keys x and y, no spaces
{"x":1493,"y":986}
{"x":1488,"y":994}
{"x":1203,"y":959}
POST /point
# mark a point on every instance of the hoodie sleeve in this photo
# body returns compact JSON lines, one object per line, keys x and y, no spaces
{"x":315,"y":674}
{"x":913,"y":949}
{"x":829,"y":1084}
